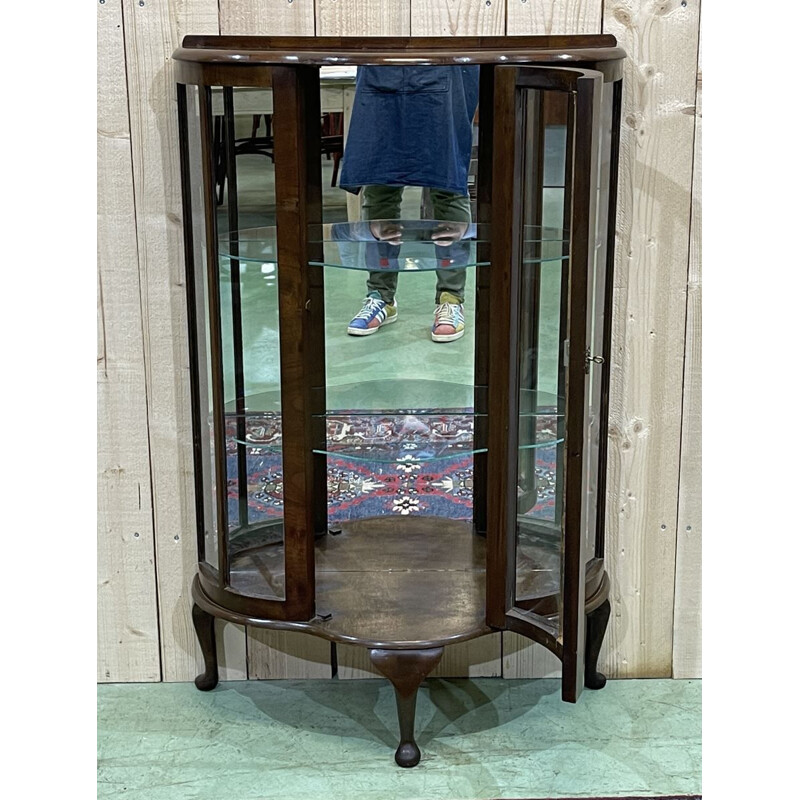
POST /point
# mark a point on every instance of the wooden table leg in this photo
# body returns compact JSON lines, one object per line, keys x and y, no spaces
{"x":204,"y":627}
{"x":596,"y":624}
{"x":406,"y":669}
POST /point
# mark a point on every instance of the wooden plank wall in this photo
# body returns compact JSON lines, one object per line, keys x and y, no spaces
{"x":146,"y":556}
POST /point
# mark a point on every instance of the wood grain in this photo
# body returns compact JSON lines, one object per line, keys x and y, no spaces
{"x":553,"y":16}
{"x":458,"y":18}
{"x":363,"y":18}
{"x":648,"y":342}
{"x":687,"y":645}
{"x":267,"y":17}
{"x":127,"y":613}
{"x":151,"y":33}
{"x":523,"y":658}
{"x":477,"y":658}
{"x":660,"y":38}
{"x":287,"y":654}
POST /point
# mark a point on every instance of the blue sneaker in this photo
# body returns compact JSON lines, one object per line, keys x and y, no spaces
{"x":448,"y":319}
{"x":374,"y":313}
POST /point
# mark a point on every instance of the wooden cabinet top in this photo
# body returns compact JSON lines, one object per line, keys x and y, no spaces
{"x":398,"y":51}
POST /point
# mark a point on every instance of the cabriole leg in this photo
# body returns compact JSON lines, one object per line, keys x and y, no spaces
{"x":596,"y":624}
{"x":406,"y":669}
{"x":204,"y":627}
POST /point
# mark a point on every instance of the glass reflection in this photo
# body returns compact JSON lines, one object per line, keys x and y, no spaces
{"x":539,"y":542}
{"x":402,"y":401}
{"x":209,"y":541}
{"x":244,"y":184}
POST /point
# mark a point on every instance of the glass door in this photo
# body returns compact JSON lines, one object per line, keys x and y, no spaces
{"x":251,"y":190}
{"x":544,"y":146}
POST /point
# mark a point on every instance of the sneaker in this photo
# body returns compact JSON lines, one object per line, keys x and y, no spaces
{"x":374,"y":313}
{"x":448,"y":319}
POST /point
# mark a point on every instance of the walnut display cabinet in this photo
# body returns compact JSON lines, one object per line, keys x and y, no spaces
{"x":390,"y":491}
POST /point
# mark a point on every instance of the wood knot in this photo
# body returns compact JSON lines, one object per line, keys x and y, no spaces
{"x":623,"y":16}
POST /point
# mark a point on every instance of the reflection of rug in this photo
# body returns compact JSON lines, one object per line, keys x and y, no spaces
{"x":402,"y":482}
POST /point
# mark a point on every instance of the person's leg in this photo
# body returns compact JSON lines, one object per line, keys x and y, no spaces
{"x":382,"y":202}
{"x":448,"y":317}
{"x":455,"y":208}
{"x":379,"y":308}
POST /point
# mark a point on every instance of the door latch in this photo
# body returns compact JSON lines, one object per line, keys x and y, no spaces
{"x":590,"y":358}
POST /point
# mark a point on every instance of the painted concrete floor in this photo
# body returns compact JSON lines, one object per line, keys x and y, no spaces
{"x":335,"y":740}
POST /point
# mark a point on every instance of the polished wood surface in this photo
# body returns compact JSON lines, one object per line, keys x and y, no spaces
{"x":387,"y":581}
{"x":298,"y":192}
{"x":582,"y":241}
{"x":253,"y":51}
{"x":404,"y":580}
{"x":406,"y":669}
{"x":501,"y":491}
{"x":204,"y":624}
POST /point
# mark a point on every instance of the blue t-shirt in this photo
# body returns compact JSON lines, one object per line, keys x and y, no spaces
{"x":411,"y":126}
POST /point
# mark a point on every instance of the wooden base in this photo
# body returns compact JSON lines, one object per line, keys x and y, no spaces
{"x":403,"y":588}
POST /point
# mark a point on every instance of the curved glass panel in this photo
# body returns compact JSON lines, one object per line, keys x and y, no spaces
{"x":242,"y":126}
{"x":208,"y":532}
{"x":542,"y":349}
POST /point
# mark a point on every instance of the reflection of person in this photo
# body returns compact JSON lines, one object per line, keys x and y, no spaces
{"x":412,"y":126}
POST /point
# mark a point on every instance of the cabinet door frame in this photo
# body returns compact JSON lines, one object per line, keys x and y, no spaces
{"x":503,"y":186}
{"x":301,"y":315}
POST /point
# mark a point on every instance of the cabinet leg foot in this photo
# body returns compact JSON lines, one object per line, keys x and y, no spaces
{"x":596,"y":624}
{"x":204,"y":627}
{"x":406,"y":669}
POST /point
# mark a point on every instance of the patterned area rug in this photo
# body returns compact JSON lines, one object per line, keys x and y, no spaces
{"x":390,"y":464}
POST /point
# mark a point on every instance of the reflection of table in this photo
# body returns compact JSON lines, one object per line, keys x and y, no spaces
{"x":337,"y":92}
{"x":257,"y":100}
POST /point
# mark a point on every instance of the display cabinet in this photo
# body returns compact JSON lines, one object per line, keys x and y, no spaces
{"x":390,"y":491}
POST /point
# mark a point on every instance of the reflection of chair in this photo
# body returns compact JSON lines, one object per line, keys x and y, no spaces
{"x":332,"y":145}
{"x":333,"y":140}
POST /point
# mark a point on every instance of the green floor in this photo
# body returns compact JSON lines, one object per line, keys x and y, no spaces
{"x":481,"y":738}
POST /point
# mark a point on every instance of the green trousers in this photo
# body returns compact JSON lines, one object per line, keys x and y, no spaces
{"x":383,"y":202}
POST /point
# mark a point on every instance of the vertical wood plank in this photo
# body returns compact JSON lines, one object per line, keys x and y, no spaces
{"x":660,"y":38}
{"x":477,"y":658}
{"x":458,"y":18}
{"x":287,"y":654}
{"x":231,"y":651}
{"x":152,"y":31}
{"x":127,"y":614}
{"x":267,"y":17}
{"x":523,"y":658}
{"x":645,"y":420}
{"x":363,"y":18}
{"x":687,"y":645}
{"x":553,"y":16}
{"x":353,"y":663}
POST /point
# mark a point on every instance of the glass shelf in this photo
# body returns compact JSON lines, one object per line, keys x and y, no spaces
{"x":405,"y":454}
{"x":384,"y":435}
{"x":407,"y":246}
